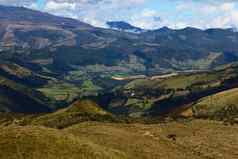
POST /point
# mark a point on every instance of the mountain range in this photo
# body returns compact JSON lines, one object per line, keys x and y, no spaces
{"x":72,"y":90}
{"x":43,"y":39}
{"x":124,"y":26}
{"x":61,"y":59}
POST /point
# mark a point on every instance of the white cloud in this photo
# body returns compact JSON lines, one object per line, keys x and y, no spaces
{"x":195,"y":13}
{"x":54,"y":6}
{"x":17,"y":2}
{"x":212,"y":14}
{"x":147,"y":18}
{"x":97,"y":12}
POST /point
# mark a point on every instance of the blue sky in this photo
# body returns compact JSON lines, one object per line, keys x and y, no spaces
{"x":41,"y":4}
{"x":149,"y":14}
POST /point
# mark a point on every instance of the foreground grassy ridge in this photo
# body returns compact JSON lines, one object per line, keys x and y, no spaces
{"x":79,"y":111}
{"x":175,"y":140}
{"x":45,"y":143}
{"x":181,"y":139}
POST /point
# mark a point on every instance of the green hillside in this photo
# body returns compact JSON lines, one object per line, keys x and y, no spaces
{"x":16,"y":97}
{"x":79,"y":111}
{"x":158,"y":95}
{"x":223,"y":105}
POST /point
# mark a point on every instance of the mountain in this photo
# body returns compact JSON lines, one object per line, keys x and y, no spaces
{"x":64,"y":59}
{"x":33,"y":37}
{"x":71,"y":90}
{"x":124,"y":26}
{"x":21,"y":15}
{"x":49,"y":37}
{"x":42,"y":28}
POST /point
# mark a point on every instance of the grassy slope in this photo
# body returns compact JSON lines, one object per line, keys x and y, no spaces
{"x":23,"y":75}
{"x":60,"y":91}
{"x":95,"y":140}
{"x":181,"y":81}
{"x":79,"y":111}
{"x":89,"y":139}
{"x":172,"y":92}
{"x":175,"y":140}
{"x":222,"y":105}
{"x":67,"y":92}
{"x":152,"y":91}
{"x":38,"y":143}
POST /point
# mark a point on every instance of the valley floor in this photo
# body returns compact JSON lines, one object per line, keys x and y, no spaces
{"x":195,"y":139}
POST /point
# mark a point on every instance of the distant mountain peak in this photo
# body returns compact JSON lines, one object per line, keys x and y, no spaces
{"x":12,"y":14}
{"x":234,"y":29}
{"x":164,"y":29}
{"x":124,"y":26}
